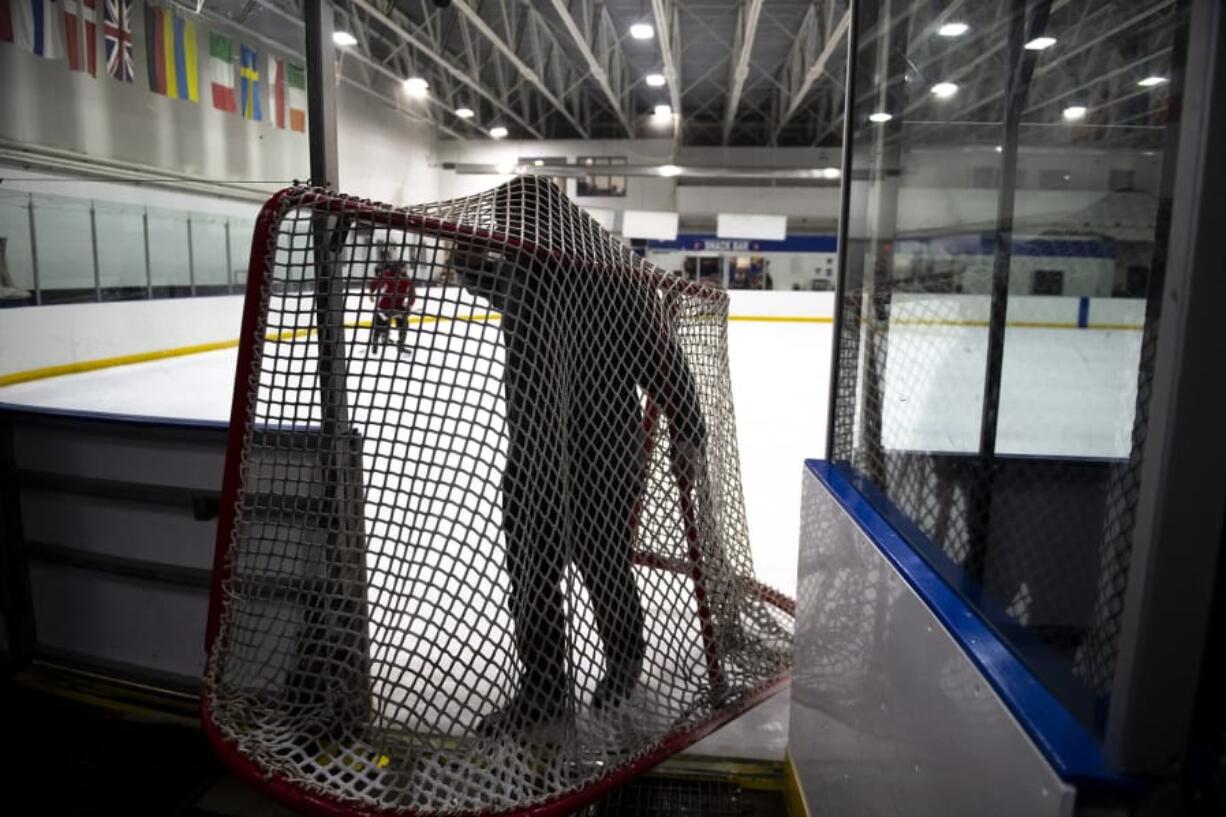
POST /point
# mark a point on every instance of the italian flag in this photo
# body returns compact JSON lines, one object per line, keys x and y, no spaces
{"x":295,"y":79}
{"x":221,"y":72}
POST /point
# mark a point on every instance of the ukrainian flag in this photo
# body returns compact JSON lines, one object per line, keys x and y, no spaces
{"x":170,"y":51}
{"x":249,"y":83}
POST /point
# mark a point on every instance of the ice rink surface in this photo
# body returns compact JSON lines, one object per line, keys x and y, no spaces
{"x":1065,"y":392}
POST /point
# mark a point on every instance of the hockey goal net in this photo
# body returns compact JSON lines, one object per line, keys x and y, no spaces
{"x":482,"y":546}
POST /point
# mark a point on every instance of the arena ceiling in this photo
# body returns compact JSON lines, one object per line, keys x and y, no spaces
{"x":736,"y":72}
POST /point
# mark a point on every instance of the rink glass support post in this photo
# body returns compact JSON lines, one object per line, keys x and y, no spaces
{"x":1167,"y":687}
{"x":321,"y":93}
{"x":879,"y":276}
{"x":1020,"y":67}
{"x":93,"y":246}
{"x":229,"y":262}
{"x":148,"y":263}
{"x":191,"y":261}
{"x":38,"y":289}
{"x":342,"y":460}
{"x":840,"y":274}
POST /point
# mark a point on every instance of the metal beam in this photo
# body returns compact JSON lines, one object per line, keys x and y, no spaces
{"x":747,"y":29}
{"x":507,"y":51}
{"x":321,"y":94}
{"x":598,"y":71}
{"x":665,"y":13}
{"x":833,"y":40}
{"x":447,"y":63}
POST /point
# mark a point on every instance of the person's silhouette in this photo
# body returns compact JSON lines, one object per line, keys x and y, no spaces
{"x":582,"y":337}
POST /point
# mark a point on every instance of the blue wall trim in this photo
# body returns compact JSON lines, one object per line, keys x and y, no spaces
{"x":983,"y":244}
{"x":1083,"y":312}
{"x":1067,"y":745}
{"x":706,"y":242}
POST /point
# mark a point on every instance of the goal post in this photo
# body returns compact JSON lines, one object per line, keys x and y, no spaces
{"x":485,"y":553}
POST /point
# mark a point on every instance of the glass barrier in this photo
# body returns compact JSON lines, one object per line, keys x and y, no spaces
{"x":62,"y":249}
{"x":1003,"y":248}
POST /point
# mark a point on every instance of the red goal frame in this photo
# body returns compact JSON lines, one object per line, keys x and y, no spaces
{"x":260,"y":266}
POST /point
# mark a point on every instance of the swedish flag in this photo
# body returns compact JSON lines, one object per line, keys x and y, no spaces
{"x":249,"y":83}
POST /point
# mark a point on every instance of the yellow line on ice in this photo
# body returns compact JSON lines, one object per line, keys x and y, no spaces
{"x":278,"y":336}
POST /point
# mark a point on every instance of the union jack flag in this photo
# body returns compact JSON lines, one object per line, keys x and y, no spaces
{"x":117,"y":23}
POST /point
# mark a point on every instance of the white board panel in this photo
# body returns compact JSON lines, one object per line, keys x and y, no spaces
{"x":604,"y":216}
{"x":658,"y":224}
{"x":746,"y":225}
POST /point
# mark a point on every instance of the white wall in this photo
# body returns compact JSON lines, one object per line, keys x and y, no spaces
{"x":38,"y":336}
{"x":383,"y":155}
{"x":45,"y":104}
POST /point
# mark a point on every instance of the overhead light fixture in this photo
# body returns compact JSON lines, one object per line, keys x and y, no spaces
{"x":505,"y":168}
{"x":344,"y":39}
{"x":1040,"y":43}
{"x":642,"y":31}
{"x":670,"y":170}
{"x":880,"y":116}
{"x":953,"y":29}
{"x":831,"y":173}
{"x":464,"y":113}
{"x":944,"y":90}
{"x":655,"y":80}
{"x":1150,"y":82}
{"x":538,"y":162}
{"x":663,"y":111}
{"x":498,"y":132}
{"x":999,"y":149}
{"x":416,"y":86}
{"x":1074,"y":112}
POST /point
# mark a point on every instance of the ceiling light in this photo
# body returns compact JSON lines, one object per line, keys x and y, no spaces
{"x":416,"y":86}
{"x":344,"y":38}
{"x":1039,"y":43}
{"x":669,"y":170}
{"x":538,"y":162}
{"x":953,"y":29}
{"x":999,"y":149}
{"x":464,"y":113}
{"x":880,"y":116}
{"x":642,"y":31}
{"x":498,"y":132}
{"x":1074,"y":112}
{"x":944,"y":90}
{"x":831,"y":173}
{"x":655,"y":80}
{"x":1150,"y":82}
{"x":663,"y":111}
{"x":505,"y":168}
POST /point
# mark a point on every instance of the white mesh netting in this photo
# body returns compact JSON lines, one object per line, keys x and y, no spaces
{"x":483,"y":542}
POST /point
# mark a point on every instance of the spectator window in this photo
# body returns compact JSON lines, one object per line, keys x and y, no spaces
{"x":1055,"y":179}
{"x":1048,"y":282}
{"x":1122,"y":178}
{"x":601,"y":184}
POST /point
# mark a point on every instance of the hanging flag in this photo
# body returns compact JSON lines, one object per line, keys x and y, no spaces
{"x":170,"y":51}
{"x":6,"y":21}
{"x":276,"y":91}
{"x":249,"y":83}
{"x":89,"y":17}
{"x":117,"y":28}
{"x":295,"y":80}
{"x":35,"y":25}
{"x":72,"y":35}
{"x":221,"y":72}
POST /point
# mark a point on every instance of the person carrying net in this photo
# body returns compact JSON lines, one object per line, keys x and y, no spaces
{"x":392,"y":291}
{"x":581,"y":341}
